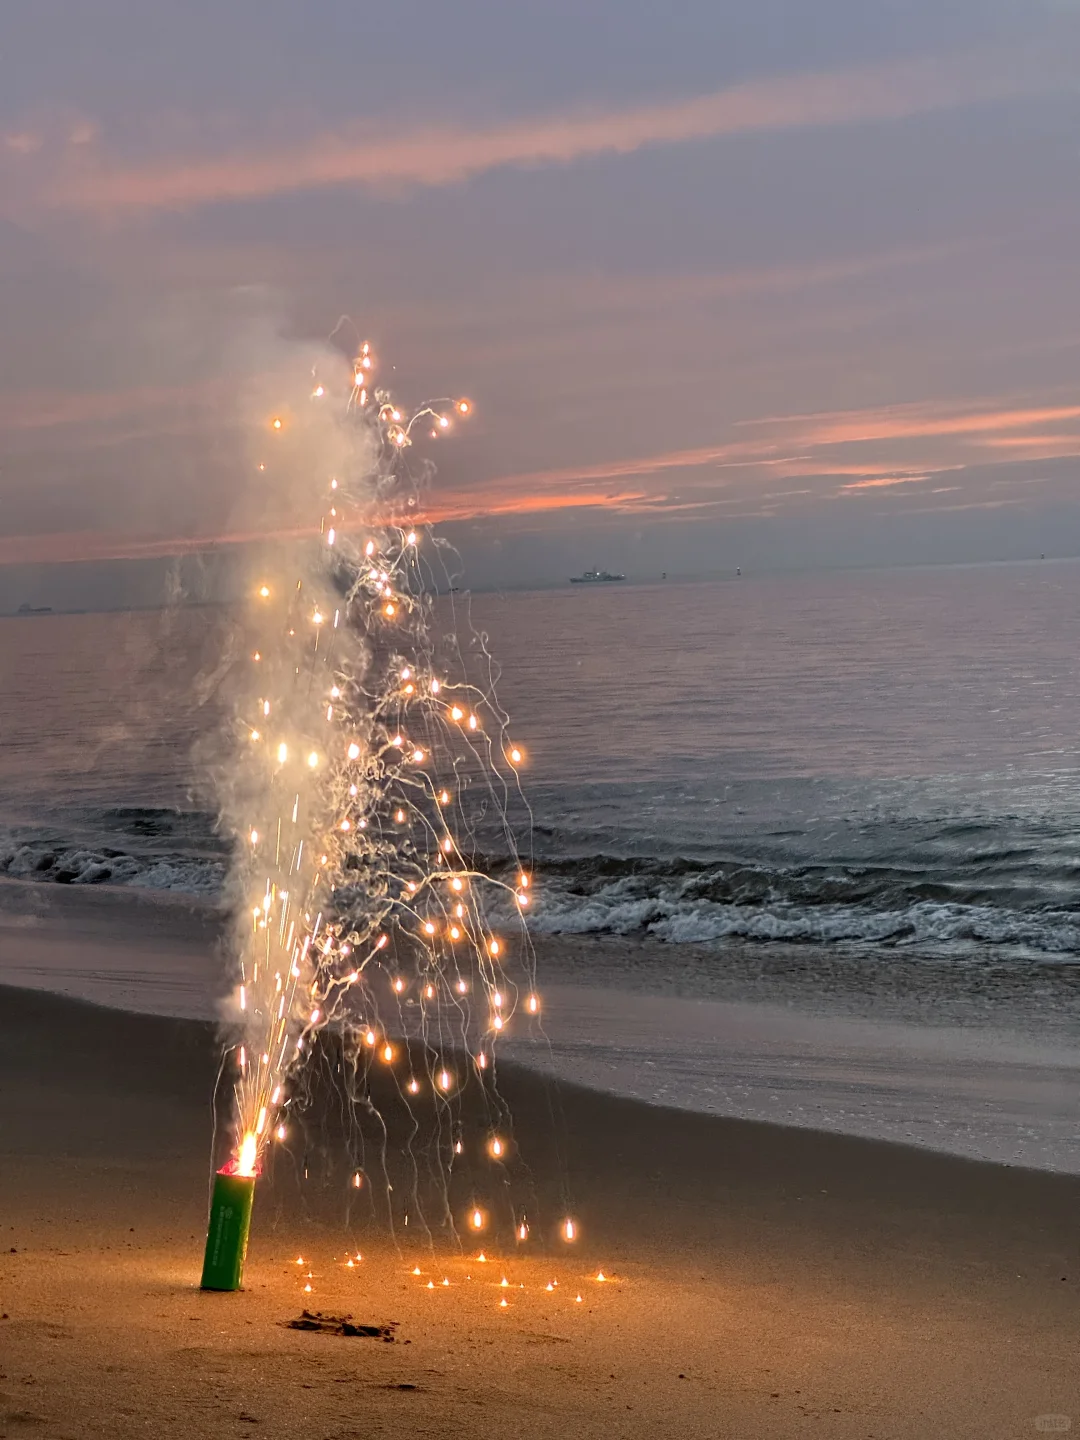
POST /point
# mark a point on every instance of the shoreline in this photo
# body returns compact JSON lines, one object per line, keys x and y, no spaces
{"x":202,"y":1036}
{"x":979,"y":1091}
{"x":766,"y":1281}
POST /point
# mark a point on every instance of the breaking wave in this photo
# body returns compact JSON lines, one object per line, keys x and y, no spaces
{"x":141,"y":847}
{"x":1002,"y":903}
{"x":946,"y":888}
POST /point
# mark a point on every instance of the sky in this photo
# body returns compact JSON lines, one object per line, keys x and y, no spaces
{"x":728,"y":282}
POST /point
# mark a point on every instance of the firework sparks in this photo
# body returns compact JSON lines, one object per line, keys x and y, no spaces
{"x":358,"y":748}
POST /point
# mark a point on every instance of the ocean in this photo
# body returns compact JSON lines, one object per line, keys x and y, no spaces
{"x":853,"y":798}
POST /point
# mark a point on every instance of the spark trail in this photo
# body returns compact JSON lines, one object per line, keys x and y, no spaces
{"x":366,"y":751}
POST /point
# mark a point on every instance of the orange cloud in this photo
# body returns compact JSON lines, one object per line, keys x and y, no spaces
{"x":483,"y":505}
{"x":1041,"y":446}
{"x":94,"y":545}
{"x":885,"y":483}
{"x":742,"y":471}
{"x":917,"y":422}
{"x":445,"y":154}
{"x":805,"y":446}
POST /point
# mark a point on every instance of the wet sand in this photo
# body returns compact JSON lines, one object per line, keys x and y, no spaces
{"x":766,"y":1281}
{"x":953,"y":1081}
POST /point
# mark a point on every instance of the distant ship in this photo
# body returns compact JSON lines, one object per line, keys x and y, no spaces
{"x":594,"y":577}
{"x":27,"y":609}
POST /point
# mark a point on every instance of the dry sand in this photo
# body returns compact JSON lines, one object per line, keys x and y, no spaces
{"x":768,"y":1282}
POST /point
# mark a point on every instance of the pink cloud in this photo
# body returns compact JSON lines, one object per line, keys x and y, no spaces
{"x":448,"y":154}
{"x":918,"y":422}
{"x":737,"y":472}
{"x":886,"y":482}
{"x":99,"y":545}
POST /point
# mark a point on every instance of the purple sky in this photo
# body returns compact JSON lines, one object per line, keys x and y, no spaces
{"x":730,"y":282}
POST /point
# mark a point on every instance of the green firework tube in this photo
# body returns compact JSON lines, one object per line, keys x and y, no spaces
{"x":227,"y":1232}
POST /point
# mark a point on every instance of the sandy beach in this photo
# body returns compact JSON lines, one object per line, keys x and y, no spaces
{"x":763,"y":1281}
{"x":539,"y":747}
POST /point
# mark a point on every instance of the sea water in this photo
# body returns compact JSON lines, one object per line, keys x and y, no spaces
{"x":855,"y":796}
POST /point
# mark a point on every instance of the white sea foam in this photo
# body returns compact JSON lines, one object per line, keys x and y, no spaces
{"x":667,"y":915}
{"x":68,"y":864}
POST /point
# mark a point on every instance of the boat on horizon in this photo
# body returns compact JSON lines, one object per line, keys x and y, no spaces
{"x":595,"y":577}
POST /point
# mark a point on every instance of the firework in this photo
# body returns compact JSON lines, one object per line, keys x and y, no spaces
{"x":362,"y":755}
{"x":228,"y":1229}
